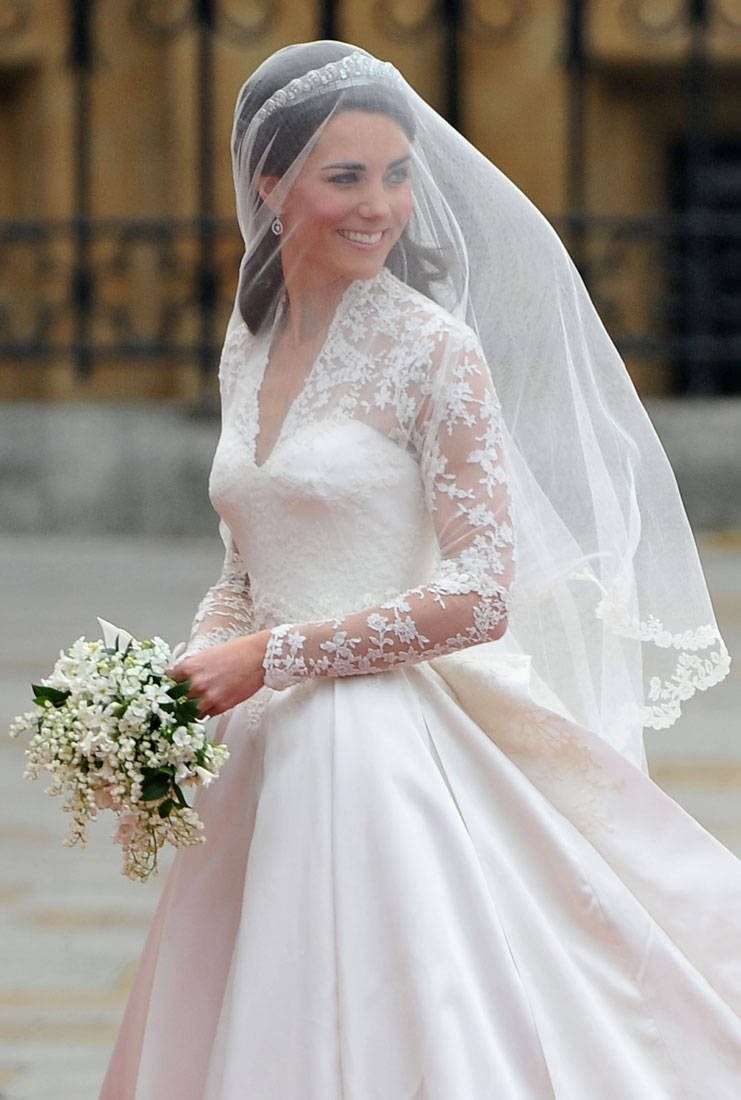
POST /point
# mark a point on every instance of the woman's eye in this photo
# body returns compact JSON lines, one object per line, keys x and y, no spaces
{"x":395,"y":177}
{"x":344,"y":177}
{"x":399,"y":175}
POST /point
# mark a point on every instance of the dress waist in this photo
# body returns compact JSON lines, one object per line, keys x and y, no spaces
{"x":271,"y":609}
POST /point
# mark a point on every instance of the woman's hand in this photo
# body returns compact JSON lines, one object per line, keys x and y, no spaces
{"x":225,"y":674}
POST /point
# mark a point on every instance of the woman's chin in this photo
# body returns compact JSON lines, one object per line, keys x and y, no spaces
{"x":363,"y":264}
{"x":366,"y":266}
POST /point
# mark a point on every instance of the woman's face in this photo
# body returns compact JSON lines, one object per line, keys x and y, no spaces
{"x":350,"y":202}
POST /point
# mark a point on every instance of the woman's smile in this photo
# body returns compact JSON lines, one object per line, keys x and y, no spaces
{"x":355,"y":186}
{"x":363,"y":239}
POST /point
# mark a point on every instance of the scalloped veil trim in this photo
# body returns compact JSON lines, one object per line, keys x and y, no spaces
{"x":692,"y":672}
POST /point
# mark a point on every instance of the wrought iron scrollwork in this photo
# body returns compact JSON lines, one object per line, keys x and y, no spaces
{"x":255,"y":20}
{"x":493,"y":21}
{"x":628,"y":259}
{"x":634,"y":266}
{"x":161,"y":21}
{"x":654,"y":18}
{"x":164,"y":21}
{"x":143,"y":305}
{"x":406,"y":20}
{"x":489,"y":21}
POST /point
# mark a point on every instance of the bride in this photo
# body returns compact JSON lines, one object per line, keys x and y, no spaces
{"x":458,"y":584}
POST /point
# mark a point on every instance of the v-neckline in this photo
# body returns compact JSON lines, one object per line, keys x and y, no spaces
{"x":264,"y":359}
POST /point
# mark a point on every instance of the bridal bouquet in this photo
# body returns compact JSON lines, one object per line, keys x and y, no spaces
{"x":115,"y":732}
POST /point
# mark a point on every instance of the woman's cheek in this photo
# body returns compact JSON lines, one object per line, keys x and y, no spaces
{"x":405,"y":210}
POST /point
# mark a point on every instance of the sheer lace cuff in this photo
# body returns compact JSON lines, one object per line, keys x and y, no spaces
{"x":284,"y":663}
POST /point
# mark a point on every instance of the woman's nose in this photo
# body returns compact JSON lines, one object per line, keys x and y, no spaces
{"x":374,"y":203}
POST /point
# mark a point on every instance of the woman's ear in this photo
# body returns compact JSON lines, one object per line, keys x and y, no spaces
{"x":265,"y":189}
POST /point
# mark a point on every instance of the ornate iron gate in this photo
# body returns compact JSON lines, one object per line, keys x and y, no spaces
{"x":78,"y":288}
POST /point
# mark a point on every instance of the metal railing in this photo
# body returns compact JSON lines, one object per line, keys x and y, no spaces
{"x":89,"y":290}
{"x":137,"y":290}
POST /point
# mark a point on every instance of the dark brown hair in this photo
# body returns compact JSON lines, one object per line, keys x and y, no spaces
{"x":279,"y":141}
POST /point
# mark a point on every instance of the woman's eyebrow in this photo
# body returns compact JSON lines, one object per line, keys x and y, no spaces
{"x":356,"y":166}
{"x":347,"y":165}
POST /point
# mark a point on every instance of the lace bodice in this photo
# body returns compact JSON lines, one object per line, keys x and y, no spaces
{"x":378,"y":529}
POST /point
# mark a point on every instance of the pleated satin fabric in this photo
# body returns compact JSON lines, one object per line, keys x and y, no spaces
{"x":388,"y":907}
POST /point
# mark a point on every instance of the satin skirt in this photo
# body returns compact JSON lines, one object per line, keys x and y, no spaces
{"x":396,"y":901}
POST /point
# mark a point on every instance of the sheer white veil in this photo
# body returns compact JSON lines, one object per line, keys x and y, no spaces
{"x":609,"y":597}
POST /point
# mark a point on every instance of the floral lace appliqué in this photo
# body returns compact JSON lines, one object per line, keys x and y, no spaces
{"x":432,"y":384}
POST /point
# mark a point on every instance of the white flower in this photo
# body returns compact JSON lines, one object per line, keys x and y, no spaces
{"x":113,"y":636}
{"x":105,"y":799}
{"x":99,"y":758}
{"x":377,"y":622}
{"x":406,"y":630}
{"x":127,"y":823}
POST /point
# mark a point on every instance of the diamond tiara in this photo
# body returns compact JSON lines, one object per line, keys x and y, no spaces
{"x":354,"y":69}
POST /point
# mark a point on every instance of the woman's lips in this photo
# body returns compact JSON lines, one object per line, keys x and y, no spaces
{"x":360,"y":239}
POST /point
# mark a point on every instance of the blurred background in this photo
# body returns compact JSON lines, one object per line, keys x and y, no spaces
{"x":620,"y":119}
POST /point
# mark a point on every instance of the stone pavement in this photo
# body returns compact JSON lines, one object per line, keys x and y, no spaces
{"x":72,"y":926}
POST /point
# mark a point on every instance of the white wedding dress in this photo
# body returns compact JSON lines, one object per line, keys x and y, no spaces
{"x":418,"y":883}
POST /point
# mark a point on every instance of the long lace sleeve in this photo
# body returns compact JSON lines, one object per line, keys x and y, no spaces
{"x":226,"y":609}
{"x":458,"y":440}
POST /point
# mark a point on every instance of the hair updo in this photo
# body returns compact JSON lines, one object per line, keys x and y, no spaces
{"x":281,"y":138}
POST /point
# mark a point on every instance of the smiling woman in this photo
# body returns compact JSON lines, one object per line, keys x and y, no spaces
{"x":338,"y":223}
{"x":458,"y":584}
{"x":364,"y":199}
{"x":343,"y":129}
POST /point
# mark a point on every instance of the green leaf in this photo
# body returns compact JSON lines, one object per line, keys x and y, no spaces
{"x":165,"y":808}
{"x":179,"y":795}
{"x":186,"y":712}
{"x":155,"y":786}
{"x":44,"y":694}
{"x":180,"y":690}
